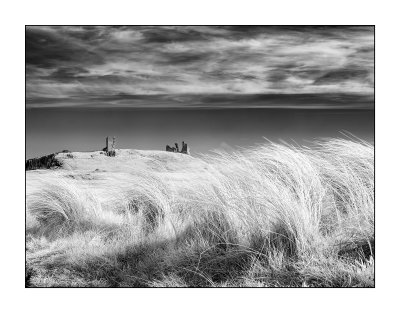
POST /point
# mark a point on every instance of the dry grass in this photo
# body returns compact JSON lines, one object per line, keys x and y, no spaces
{"x":274,"y":215}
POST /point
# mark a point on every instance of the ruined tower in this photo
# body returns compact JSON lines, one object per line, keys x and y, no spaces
{"x":185,"y":148}
{"x":110,"y":146}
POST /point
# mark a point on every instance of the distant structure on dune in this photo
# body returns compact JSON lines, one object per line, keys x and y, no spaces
{"x":110,"y":146}
{"x":184,"y":150}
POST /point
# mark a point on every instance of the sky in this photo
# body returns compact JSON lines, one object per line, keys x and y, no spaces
{"x":216,"y":87}
{"x":199,"y":66}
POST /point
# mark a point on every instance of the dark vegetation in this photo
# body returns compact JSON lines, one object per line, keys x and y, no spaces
{"x":45,"y":162}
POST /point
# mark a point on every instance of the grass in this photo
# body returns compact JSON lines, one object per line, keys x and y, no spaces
{"x":274,"y":216}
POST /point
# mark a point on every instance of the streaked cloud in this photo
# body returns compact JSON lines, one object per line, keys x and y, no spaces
{"x":199,"y":66}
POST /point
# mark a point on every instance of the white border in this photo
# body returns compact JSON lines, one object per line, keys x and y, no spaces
{"x":18,"y":13}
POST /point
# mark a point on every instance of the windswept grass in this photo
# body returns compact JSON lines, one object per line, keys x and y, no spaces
{"x":275,"y":215}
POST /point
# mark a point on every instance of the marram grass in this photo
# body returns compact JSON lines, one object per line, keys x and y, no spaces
{"x":271,"y":216}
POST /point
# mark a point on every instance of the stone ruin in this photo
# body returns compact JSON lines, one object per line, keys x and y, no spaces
{"x":110,"y":146}
{"x":185,"y":148}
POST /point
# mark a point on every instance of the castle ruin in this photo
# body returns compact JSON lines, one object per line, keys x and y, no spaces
{"x":184,"y":150}
{"x":111,"y":144}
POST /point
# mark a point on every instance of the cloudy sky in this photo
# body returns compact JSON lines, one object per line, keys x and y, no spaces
{"x":196,"y":67}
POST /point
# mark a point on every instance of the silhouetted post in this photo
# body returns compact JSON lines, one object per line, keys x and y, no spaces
{"x":185,"y":148}
{"x":176,"y":147}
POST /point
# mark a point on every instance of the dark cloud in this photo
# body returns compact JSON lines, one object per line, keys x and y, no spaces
{"x":128,"y":65}
{"x":65,"y":73}
{"x":304,"y":33}
{"x":217,"y":101}
{"x":343,"y":74}
{"x":185,"y":58}
{"x":175,"y":34}
{"x":48,"y":49}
